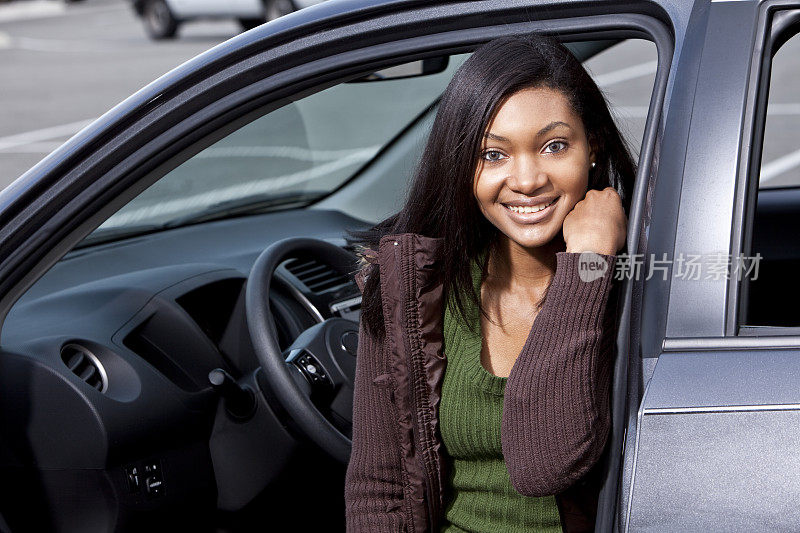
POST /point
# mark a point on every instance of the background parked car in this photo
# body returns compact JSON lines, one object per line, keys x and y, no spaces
{"x":162,"y":18}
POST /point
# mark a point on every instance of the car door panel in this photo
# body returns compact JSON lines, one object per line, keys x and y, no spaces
{"x":720,"y":471}
{"x":715,"y":447}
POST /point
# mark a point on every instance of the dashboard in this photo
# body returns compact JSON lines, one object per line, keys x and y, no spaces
{"x":105,"y":370}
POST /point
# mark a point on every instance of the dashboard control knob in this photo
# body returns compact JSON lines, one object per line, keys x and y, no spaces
{"x":239,"y":401}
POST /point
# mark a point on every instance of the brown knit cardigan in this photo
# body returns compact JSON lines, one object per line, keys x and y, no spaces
{"x":556,"y":415}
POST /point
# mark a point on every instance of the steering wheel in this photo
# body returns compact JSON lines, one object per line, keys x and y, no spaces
{"x":312,"y":381}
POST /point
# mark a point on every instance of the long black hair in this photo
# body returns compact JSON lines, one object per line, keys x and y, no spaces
{"x":440,"y":201}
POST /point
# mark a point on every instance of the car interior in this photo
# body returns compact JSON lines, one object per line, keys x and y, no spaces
{"x":134,"y":393}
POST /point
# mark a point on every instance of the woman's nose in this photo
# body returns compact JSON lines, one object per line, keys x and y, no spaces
{"x":527,"y":176}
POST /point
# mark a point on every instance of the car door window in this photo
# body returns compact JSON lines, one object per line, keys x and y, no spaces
{"x":780,"y":154}
{"x":625,"y":73}
{"x":292,"y":156}
{"x":771,"y":288}
{"x":305,"y":150}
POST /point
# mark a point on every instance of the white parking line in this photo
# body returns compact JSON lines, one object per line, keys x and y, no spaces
{"x":36,"y":9}
{"x":778,"y":166}
{"x":44,"y":147}
{"x":58,"y":45}
{"x":626,"y":74}
{"x":31,"y":10}
{"x":22,"y":139}
{"x":51,"y":46}
{"x":783,"y":109}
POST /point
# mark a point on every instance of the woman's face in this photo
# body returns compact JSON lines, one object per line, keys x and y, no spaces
{"x":534,"y":166}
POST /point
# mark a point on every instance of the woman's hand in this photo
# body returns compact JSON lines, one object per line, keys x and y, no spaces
{"x":596,"y":224}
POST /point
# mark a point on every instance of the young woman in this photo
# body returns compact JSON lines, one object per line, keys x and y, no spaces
{"x":481,"y":397}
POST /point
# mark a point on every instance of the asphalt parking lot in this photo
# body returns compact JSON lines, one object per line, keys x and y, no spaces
{"x":64,"y":64}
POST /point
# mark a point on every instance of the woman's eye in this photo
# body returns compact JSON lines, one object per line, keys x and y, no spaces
{"x":493,"y":155}
{"x":555,"y":146}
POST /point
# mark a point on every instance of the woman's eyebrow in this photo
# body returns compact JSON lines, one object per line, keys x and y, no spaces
{"x":551,"y":126}
{"x":546,"y":129}
{"x":495,"y":137}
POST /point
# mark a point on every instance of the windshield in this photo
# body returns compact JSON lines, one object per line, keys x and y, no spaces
{"x":290,"y":157}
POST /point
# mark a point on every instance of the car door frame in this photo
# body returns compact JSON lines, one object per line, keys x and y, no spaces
{"x":58,"y":202}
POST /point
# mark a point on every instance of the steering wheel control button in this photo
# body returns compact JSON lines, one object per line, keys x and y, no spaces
{"x":350,"y":342}
{"x":310,"y":367}
{"x":145,"y":478}
{"x":154,"y":481}
{"x":240,"y":402}
{"x":155,"y":486}
{"x":134,"y":483}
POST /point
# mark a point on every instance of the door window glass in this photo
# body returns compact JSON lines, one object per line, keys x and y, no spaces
{"x":771,"y":290}
{"x":303,"y":151}
{"x":291,"y":156}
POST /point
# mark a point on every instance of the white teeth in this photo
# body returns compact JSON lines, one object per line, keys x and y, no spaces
{"x":532,"y":209}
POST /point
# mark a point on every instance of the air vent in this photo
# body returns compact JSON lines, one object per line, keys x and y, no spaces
{"x":315,"y":275}
{"x":84,"y":364}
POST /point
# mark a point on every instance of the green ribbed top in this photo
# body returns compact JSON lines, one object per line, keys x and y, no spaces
{"x":470,"y":412}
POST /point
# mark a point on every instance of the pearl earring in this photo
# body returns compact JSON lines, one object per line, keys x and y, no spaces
{"x":594,"y":164}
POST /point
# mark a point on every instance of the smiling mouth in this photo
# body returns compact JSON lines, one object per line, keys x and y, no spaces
{"x":532,"y":209}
